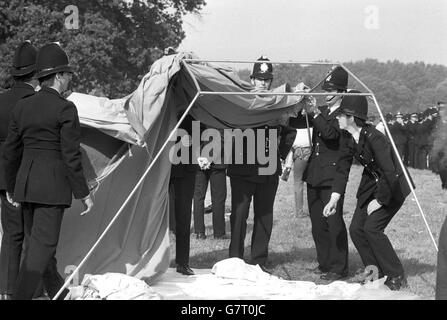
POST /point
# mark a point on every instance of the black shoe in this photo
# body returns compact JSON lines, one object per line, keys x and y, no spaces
{"x":222,"y":237}
{"x":317,"y":270}
{"x":264,"y":269}
{"x":200,"y":235}
{"x":332,"y":276}
{"x":209,"y":209}
{"x":185,"y":269}
{"x":396,"y":283}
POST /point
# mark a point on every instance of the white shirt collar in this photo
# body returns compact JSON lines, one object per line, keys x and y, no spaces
{"x":333,"y":108}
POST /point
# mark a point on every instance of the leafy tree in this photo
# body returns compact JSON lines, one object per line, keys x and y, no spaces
{"x":115,"y":44}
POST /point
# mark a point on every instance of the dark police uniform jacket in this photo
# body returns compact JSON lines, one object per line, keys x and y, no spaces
{"x":327,"y":139}
{"x":399,"y":133}
{"x":250,"y":171}
{"x":45,"y":128}
{"x":382,"y":177}
{"x":8,"y":100}
{"x":423,"y":130}
{"x":411,"y":129}
{"x":180,"y":170}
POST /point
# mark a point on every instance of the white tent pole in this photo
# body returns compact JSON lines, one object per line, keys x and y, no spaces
{"x":194,"y":80}
{"x":67,"y":281}
{"x":356,"y":78}
{"x":257,"y":61}
{"x":245,"y":93}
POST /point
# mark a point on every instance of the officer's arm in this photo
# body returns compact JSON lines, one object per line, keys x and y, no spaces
{"x":328,"y":131}
{"x":343,"y":165}
{"x":12,"y":150}
{"x":70,"y":134}
{"x":387,"y":183}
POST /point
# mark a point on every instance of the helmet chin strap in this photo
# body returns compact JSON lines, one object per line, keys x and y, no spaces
{"x":332,"y":99}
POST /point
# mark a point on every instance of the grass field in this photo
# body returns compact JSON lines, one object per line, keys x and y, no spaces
{"x":292,"y":250}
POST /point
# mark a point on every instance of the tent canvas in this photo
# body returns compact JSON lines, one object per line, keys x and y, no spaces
{"x":138,"y":242}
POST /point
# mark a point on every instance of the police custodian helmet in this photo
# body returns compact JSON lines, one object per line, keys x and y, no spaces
{"x":24,"y":61}
{"x":51,"y":59}
{"x":262,"y":70}
{"x":337,"y":80}
{"x":356,"y":106}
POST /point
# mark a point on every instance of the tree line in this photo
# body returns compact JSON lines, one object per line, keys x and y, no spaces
{"x":398,"y":86}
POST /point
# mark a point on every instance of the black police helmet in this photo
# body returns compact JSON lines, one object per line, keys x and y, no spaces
{"x":337,"y":80}
{"x":356,"y":106}
{"x":262,"y":70}
{"x":389,"y":116}
{"x":24,"y":61}
{"x":52,"y":59}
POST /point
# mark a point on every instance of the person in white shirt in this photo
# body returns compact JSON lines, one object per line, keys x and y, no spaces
{"x":297,"y":160}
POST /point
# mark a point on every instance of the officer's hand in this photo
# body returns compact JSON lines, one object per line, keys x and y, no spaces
{"x":373,"y":206}
{"x":10,"y":197}
{"x":310,"y":106}
{"x":204,"y":163}
{"x":141,"y":143}
{"x":88,"y":204}
{"x":330,"y":208}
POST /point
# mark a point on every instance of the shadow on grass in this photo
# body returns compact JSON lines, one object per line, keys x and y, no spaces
{"x":413,"y":267}
{"x":206,"y":260}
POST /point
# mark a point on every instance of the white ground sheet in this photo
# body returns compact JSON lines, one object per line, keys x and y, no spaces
{"x":229,"y":279}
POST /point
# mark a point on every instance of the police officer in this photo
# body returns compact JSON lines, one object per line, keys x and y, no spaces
{"x":329,"y":233}
{"x":441,"y":265}
{"x":398,"y":131}
{"x":247,"y":183}
{"x":422,"y":139}
{"x":213,"y":170}
{"x":381,"y":192}
{"x":181,"y":192}
{"x":23,"y":70}
{"x":438,"y":153}
{"x":412,"y":130}
{"x":43,"y":169}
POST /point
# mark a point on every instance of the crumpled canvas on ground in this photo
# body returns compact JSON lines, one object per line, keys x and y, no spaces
{"x":112,"y":286}
{"x":234,"y":279}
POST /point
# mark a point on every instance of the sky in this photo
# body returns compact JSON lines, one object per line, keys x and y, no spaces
{"x":311,"y":30}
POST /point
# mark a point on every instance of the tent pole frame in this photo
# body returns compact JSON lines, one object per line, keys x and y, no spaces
{"x":199,"y":93}
{"x":311,"y":63}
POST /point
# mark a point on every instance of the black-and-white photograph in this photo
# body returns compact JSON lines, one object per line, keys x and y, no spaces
{"x":213,"y":152}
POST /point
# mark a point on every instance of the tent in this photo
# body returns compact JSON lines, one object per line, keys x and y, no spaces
{"x":137,"y":243}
